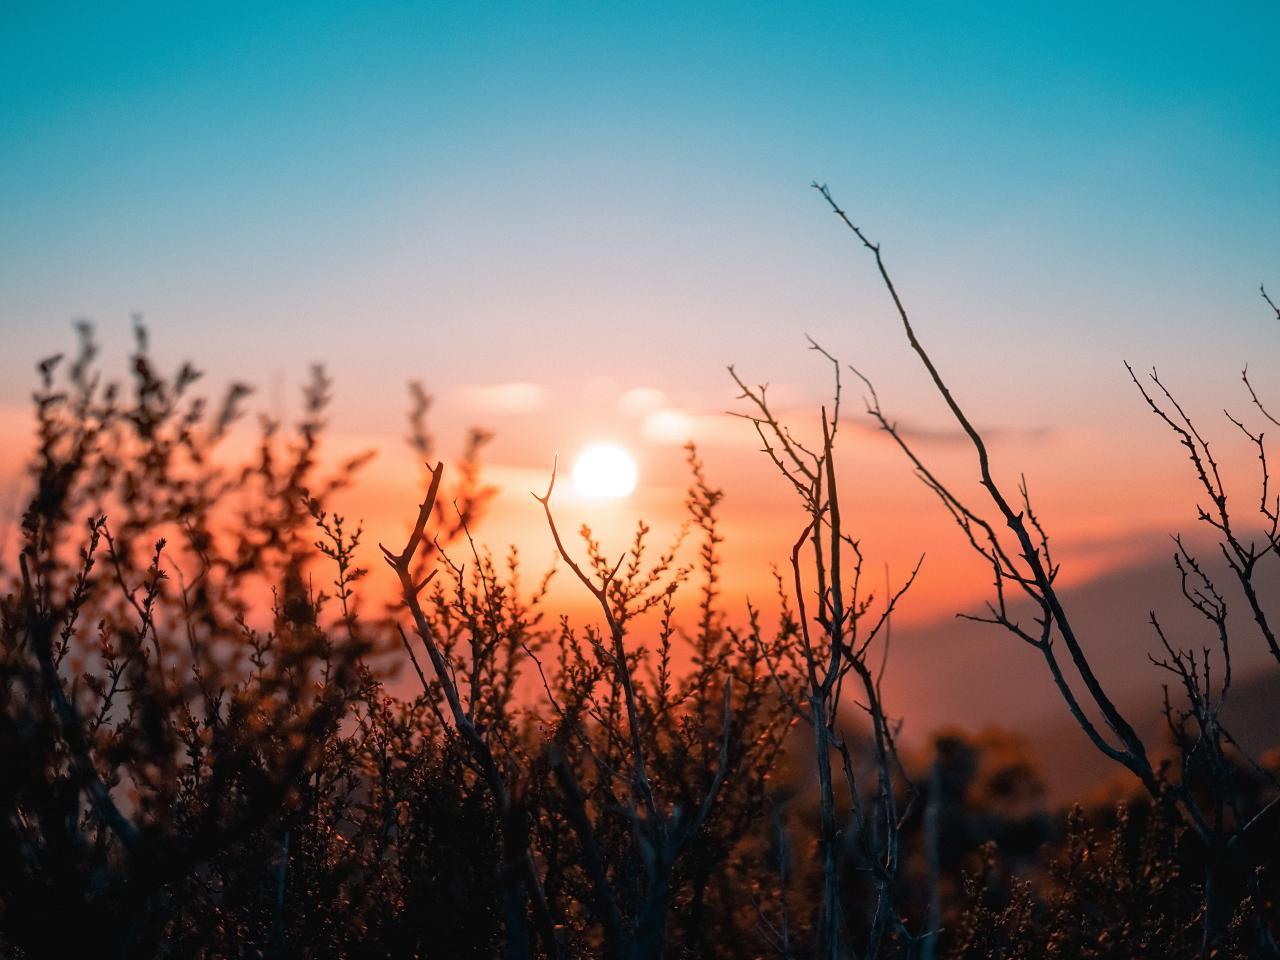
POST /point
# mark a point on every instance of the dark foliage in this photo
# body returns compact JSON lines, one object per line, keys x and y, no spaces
{"x":202,"y":755}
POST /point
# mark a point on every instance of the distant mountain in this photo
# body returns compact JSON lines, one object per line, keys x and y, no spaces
{"x":956,"y":673}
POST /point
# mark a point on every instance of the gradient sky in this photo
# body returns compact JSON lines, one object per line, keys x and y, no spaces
{"x":568,"y":218}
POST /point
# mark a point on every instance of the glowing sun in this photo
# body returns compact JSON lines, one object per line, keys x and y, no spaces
{"x":604,"y":471}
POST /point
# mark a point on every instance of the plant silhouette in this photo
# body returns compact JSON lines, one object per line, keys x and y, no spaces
{"x":204,"y":753}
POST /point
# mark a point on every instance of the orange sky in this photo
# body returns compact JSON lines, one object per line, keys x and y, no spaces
{"x":1108,"y":498}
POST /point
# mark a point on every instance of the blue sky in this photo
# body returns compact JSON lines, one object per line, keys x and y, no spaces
{"x":552,"y":192}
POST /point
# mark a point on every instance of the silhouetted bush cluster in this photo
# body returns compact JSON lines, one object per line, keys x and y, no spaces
{"x":202,"y":755}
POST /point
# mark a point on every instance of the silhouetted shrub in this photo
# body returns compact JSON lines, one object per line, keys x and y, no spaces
{"x":202,"y":755}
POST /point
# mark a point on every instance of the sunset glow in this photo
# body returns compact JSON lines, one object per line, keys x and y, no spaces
{"x":605,"y":472}
{"x":576,"y":480}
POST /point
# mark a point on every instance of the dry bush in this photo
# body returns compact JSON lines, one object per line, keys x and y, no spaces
{"x":202,"y":754}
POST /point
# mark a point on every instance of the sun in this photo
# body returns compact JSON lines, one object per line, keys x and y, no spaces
{"x":604,"y":472}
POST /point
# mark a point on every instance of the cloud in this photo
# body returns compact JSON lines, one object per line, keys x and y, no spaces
{"x":669,"y":426}
{"x":954,"y":436}
{"x":791,"y":407}
{"x":503,"y":398}
{"x":673,"y":426}
{"x":925,"y":435}
{"x":639,"y":401}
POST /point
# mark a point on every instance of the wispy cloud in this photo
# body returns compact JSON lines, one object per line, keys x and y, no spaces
{"x":673,"y":426}
{"x":503,"y":398}
{"x":951,"y":436}
{"x":785,"y":402}
{"x":639,"y":401}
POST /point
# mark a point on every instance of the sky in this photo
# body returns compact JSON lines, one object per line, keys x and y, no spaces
{"x":567,"y":219}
